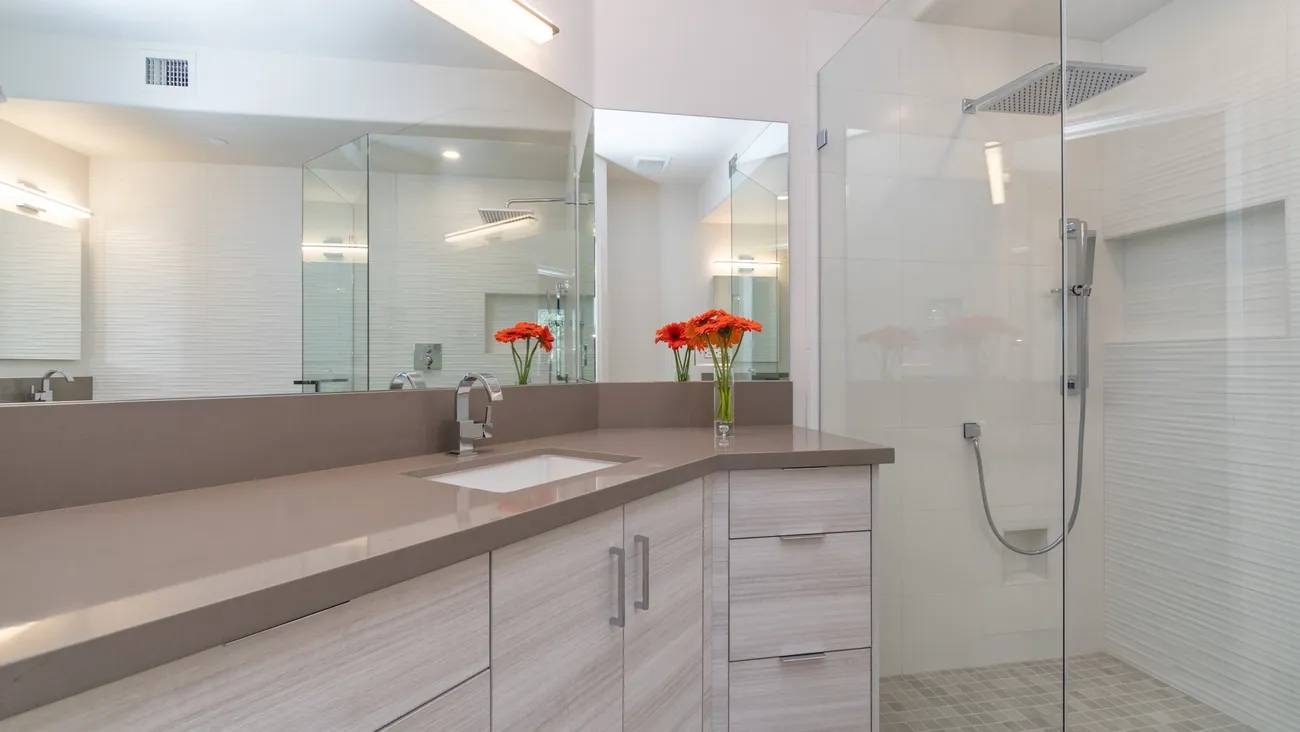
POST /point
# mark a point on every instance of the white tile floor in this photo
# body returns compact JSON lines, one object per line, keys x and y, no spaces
{"x":1105,"y":695}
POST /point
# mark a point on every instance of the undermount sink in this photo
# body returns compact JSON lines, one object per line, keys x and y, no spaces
{"x":526,"y":472}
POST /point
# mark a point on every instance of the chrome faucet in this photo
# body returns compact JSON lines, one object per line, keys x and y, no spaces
{"x":46,"y":394}
{"x":403,"y":378}
{"x":469,"y":430}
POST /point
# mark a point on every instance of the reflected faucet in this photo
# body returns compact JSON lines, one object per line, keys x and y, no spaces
{"x":403,"y":379}
{"x":469,"y":430}
{"x":46,"y":394}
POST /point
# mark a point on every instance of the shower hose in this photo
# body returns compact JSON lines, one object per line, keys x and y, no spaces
{"x":1078,"y":463}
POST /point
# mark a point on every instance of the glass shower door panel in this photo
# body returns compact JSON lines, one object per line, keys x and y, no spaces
{"x":756,"y":279}
{"x":335,"y":249}
{"x":1182,"y":603}
{"x":941,"y":321}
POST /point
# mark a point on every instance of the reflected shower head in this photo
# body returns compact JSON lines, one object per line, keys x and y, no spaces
{"x":1039,"y":91}
{"x":500,"y":215}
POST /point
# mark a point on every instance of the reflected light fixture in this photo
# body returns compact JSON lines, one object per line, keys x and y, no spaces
{"x":34,"y":201}
{"x":496,"y":229}
{"x":746,"y":263}
{"x":451,"y":154}
{"x":783,"y":197}
{"x":522,"y":18}
{"x":997,"y":174}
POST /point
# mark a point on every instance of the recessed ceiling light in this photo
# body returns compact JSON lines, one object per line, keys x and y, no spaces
{"x":451,"y":154}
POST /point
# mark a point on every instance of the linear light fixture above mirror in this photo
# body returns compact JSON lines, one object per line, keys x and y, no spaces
{"x":30,"y":199}
{"x":523,"y":19}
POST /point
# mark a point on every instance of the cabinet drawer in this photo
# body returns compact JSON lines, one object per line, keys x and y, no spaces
{"x":357,"y":666}
{"x":802,"y":501}
{"x":801,"y":694}
{"x":800,"y":595}
{"x":466,"y":708}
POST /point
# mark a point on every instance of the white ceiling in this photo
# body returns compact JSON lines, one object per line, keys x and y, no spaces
{"x":1090,"y":20}
{"x":379,"y":30}
{"x":141,"y":133}
{"x":697,"y":146}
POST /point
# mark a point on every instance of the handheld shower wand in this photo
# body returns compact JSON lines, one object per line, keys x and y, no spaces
{"x":1080,"y":244}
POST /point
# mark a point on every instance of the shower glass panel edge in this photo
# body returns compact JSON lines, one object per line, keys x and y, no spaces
{"x":940,"y":286}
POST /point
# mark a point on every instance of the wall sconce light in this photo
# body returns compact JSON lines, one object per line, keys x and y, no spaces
{"x":32,"y":200}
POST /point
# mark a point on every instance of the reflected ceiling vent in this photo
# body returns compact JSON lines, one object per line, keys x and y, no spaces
{"x":161,"y":71}
{"x":647,"y":165}
{"x":1039,"y":91}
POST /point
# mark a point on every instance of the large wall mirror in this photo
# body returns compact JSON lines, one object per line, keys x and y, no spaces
{"x":221,"y":198}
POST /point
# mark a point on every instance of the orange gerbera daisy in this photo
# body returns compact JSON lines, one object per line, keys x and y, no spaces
{"x":534,"y":336}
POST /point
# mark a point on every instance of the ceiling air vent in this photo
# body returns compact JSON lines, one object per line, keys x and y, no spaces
{"x":647,"y":165}
{"x":159,"y":71}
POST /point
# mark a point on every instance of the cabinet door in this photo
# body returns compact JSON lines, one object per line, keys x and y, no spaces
{"x":664,"y":641}
{"x":356,"y":666}
{"x":557,"y":660}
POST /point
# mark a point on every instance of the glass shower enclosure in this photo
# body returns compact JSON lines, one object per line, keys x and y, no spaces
{"x":1058,"y":273}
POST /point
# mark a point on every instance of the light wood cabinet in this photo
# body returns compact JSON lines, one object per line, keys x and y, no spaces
{"x":557,"y":660}
{"x":800,"y":594}
{"x":800,"y":501}
{"x":798,"y":625}
{"x":356,"y":666}
{"x":663,"y":641}
{"x":466,"y":708}
{"x":826,"y":692}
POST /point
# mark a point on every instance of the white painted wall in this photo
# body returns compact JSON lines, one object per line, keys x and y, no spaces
{"x":753,"y":59}
{"x":660,"y":268}
{"x":565,"y":60}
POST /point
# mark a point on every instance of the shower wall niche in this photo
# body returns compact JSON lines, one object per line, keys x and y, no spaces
{"x":432,"y":239}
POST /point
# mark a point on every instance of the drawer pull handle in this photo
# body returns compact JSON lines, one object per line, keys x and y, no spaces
{"x":644,"y":543}
{"x":802,"y":537}
{"x":803,"y":657}
{"x":620,"y":618}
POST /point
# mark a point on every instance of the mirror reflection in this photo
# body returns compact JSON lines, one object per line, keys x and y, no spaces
{"x":216,"y":201}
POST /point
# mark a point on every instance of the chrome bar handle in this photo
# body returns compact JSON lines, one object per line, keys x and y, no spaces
{"x":803,"y":657}
{"x":620,"y":618}
{"x":802,"y":537}
{"x":643,"y":542}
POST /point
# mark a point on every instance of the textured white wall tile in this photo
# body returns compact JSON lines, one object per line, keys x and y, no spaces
{"x":196,"y":272}
{"x":1202,"y":551}
{"x":40,"y":289}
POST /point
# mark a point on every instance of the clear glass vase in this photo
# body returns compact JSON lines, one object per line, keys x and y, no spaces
{"x":724,"y":406}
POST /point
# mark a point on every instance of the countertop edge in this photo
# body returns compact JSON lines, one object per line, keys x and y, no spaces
{"x":49,"y":677}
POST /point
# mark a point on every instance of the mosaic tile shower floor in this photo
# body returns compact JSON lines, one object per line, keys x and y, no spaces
{"x":1106,"y":695}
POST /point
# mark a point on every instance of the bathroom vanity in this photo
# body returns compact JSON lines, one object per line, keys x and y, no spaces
{"x":681,"y":586}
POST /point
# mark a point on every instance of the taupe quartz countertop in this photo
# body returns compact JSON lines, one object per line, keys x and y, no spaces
{"x":94,"y":593}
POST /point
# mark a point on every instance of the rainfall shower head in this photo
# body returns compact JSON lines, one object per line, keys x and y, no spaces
{"x":1039,"y":91}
